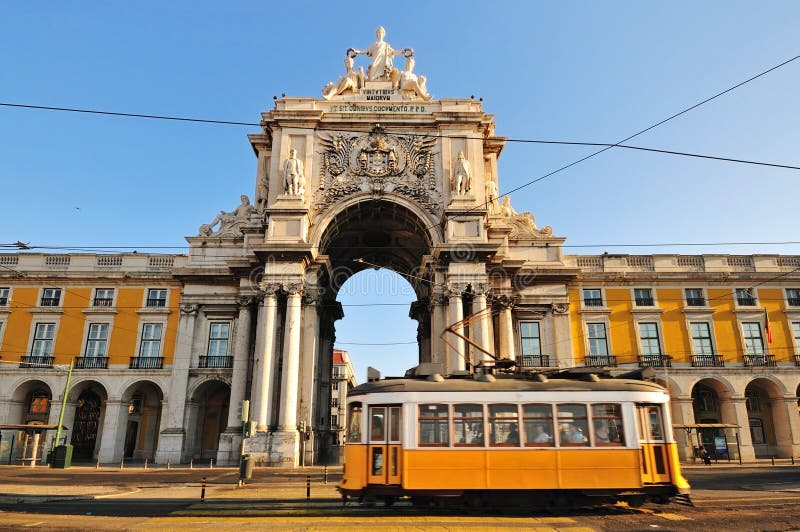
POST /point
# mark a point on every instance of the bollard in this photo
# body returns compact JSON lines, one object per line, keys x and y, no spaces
{"x":122,"y":463}
{"x":145,"y":463}
{"x":167,"y":464}
{"x":203,"y":491}
{"x":326,"y":475}
{"x":211,"y":464}
{"x":97,"y":465}
{"x":792,"y":459}
{"x":308,"y":487}
{"x":773,"y":460}
{"x":191,"y":463}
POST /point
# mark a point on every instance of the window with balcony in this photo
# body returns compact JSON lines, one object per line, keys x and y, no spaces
{"x":701,"y":337}
{"x":334,"y":421}
{"x":694,"y":297}
{"x":4,"y":296}
{"x":151,"y":340}
{"x":530,"y":340}
{"x":598,"y":342}
{"x":51,"y":297}
{"x":592,"y":297}
{"x":643,"y":297}
{"x":43,"y":336}
{"x":217,"y":353}
{"x":97,"y":340}
{"x":745,"y":297}
{"x":156,"y":297}
{"x":334,"y":402}
{"x":103,"y":297}
{"x":792,"y":296}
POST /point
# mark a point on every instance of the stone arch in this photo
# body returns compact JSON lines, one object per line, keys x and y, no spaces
{"x":31,"y":402}
{"x":207,"y":417}
{"x":767,"y":417}
{"x":85,"y":417}
{"x":141,"y":401}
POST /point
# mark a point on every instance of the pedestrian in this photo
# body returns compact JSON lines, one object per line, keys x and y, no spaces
{"x":703,"y":454}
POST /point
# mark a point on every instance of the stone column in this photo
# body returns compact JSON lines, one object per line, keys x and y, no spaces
{"x":287,"y":420}
{"x":787,"y":426}
{"x":173,"y":434}
{"x":506,"y":334}
{"x":308,"y":369}
{"x":456,"y":360}
{"x":683,"y":413}
{"x":263,"y":359}
{"x":114,"y":429}
{"x":741,"y":419}
{"x":241,"y":350}
{"x":231,"y":440}
{"x":438,"y":321}
{"x":481,"y":325}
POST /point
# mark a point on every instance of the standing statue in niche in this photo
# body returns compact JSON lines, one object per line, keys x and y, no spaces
{"x":411,"y":85}
{"x":382,"y":55}
{"x":462,"y":175}
{"x":491,"y":195}
{"x":293,"y":178}
{"x":262,"y":193}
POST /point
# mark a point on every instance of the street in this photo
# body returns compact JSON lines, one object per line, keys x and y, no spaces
{"x":726,"y":498}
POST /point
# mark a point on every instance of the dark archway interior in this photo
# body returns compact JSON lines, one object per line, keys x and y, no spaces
{"x":375,"y":234}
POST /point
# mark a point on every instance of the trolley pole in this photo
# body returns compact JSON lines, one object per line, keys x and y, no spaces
{"x":64,"y":401}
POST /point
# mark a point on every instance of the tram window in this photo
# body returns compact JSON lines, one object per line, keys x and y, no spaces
{"x":607,"y":425}
{"x":504,"y":425}
{"x":394,"y":423}
{"x":572,"y":426}
{"x":377,"y":423}
{"x":538,"y":423}
{"x":354,"y":423}
{"x":433,"y":425}
{"x":468,"y":425}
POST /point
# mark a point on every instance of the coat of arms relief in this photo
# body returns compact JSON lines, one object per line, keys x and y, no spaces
{"x":378,"y":163}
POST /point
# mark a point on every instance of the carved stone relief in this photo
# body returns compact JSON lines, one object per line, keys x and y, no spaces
{"x":378,"y":163}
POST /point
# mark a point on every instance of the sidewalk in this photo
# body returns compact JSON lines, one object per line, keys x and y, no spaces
{"x":20,"y":484}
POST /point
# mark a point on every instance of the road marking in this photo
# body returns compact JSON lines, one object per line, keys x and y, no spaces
{"x":744,"y":499}
{"x":182,"y":517}
{"x":109,"y":496}
{"x":674,"y":517}
{"x":36,"y":524}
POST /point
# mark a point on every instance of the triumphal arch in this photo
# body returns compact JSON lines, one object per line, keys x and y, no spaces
{"x":375,"y":173}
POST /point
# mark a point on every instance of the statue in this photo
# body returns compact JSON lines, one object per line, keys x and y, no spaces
{"x":462,"y":175}
{"x":382,"y":55}
{"x":411,"y":85}
{"x":491,"y":195}
{"x":262,"y":193}
{"x":506,"y":209}
{"x":293,"y":178}
{"x":351,"y":81}
{"x":231,"y":223}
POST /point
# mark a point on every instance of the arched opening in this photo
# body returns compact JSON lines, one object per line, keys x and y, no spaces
{"x":33,"y":402}
{"x":143,"y":401}
{"x":380,"y":276}
{"x":711,"y":404}
{"x":86,"y":424}
{"x":763,"y":402}
{"x":208,"y":415}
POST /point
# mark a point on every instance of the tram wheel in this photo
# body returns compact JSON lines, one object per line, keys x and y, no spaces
{"x":389,"y":500}
{"x":635,"y":501}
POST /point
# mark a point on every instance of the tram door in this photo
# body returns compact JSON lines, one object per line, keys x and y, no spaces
{"x":384,"y":447}
{"x":652,"y":444}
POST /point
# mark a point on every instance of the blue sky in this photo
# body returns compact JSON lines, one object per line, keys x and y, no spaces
{"x":575,"y":71}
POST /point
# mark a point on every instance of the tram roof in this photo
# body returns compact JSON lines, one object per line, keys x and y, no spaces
{"x":502,"y":384}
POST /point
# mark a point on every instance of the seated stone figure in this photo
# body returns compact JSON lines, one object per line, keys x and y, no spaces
{"x":410,"y":85}
{"x":230,"y":223}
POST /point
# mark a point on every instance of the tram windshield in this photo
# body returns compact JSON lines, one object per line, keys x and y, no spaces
{"x":354,"y":423}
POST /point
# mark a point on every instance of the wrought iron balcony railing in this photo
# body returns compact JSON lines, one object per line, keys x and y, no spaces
{"x":49,"y":301}
{"x":759,"y":360}
{"x":37,"y":361}
{"x":534,"y":361}
{"x":600,"y":360}
{"x":797,"y":360}
{"x":592,"y":302}
{"x":156,"y":302}
{"x":707,"y":361}
{"x":655,"y":361}
{"x":103,"y":301}
{"x":695,"y":302}
{"x":146,"y":363}
{"x":216,"y":361}
{"x":644,"y":302}
{"x":91,"y":363}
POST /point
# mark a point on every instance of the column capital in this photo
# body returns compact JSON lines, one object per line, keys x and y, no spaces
{"x":293,"y":289}
{"x":190,"y":309}
{"x":245,"y":301}
{"x":560,"y":308}
{"x":270,"y":289}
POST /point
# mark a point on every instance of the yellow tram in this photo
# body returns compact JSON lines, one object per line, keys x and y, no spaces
{"x":509,"y":439}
